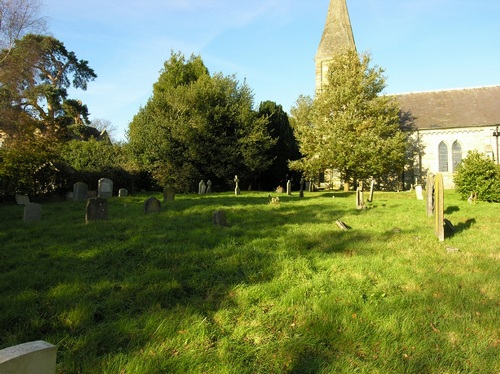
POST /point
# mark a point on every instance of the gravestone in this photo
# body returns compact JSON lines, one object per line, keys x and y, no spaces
{"x":32,"y":212}
{"x":289,"y":187}
{"x":105,"y":188}
{"x":209,"y":186}
{"x":168,"y":194}
{"x":80,"y":191}
{"x":237,"y":188}
{"x":22,"y":199}
{"x":201,"y":188}
{"x":122,"y":192}
{"x":429,"y":190}
{"x":439,"y":206}
{"x":279,"y":189}
{"x":219,"y":218}
{"x":372,"y":187}
{"x":419,"y":192}
{"x":36,"y":357}
{"x":360,"y":200}
{"x":301,"y":191}
{"x":96,"y":209}
{"x":152,"y":205}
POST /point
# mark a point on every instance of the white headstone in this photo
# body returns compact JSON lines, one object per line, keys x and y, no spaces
{"x":419,"y":192}
{"x":36,"y":357}
{"x":105,"y":188}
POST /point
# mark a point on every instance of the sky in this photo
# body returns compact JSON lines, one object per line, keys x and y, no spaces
{"x":422,"y":45}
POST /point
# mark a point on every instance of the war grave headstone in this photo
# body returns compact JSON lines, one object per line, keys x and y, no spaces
{"x":152,"y":205}
{"x":38,"y":357}
{"x":429,"y":190}
{"x":219,"y":218}
{"x":202,"y":187}
{"x":32,"y":212}
{"x":22,"y":199}
{"x":96,"y":209}
{"x":419,"y":192}
{"x":122,"y":192}
{"x":80,"y":191}
{"x":289,"y":187}
{"x":168,"y":194}
{"x":105,"y":188}
{"x":209,"y":186}
{"x":237,"y":187}
{"x":439,"y":206}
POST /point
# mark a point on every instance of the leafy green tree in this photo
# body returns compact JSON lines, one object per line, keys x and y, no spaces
{"x":285,"y":148}
{"x":478,"y":174}
{"x":34,"y":78}
{"x":350,"y":126}
{"x":199,"y":126}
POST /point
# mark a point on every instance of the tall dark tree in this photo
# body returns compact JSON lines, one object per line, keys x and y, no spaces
{"x":199,"y":126}
{"x":285,"y":149}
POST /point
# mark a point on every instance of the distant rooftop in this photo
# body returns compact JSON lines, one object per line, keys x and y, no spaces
{"x":466,"y":107}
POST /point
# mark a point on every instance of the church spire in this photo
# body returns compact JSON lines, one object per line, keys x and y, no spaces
{"x":337,"y":37}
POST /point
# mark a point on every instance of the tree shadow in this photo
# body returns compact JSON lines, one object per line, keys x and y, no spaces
{"x":452,"y":209}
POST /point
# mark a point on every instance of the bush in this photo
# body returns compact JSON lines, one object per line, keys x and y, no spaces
{"x":478,"y":174}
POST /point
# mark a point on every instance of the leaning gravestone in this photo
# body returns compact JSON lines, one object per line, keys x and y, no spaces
{"x":22,"y":199}
{"x":439,"y":206}
{"x":105,"y":188}
{"x":168,"y":194}
{"x":419,"y":192}
{"x":237,"y":188}
{"x":80,"y":191}
{"x":152,"y":205}
{"x":36,"y":357}
{"x":32,"y":212}
{"x":96,"y":209}
{"x":219,"y":218}
{"x":429,"y":189}
{"x":122,"y":192}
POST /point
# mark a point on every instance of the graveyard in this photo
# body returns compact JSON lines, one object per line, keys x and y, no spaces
{"x":252,"y":282}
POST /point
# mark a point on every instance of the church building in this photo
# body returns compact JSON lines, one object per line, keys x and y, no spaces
{"x":448,"y":123}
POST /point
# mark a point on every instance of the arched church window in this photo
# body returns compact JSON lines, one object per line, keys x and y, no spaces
{"x":456,"y":154}
{"x":443,"y":156}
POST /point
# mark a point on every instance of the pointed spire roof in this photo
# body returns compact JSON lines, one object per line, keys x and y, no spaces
{"x":337,"y":35}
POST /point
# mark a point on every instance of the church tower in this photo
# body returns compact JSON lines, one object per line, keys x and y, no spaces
{"x":337,"y":37}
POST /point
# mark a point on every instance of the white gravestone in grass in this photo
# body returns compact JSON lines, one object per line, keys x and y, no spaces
{"x":36,"y":357}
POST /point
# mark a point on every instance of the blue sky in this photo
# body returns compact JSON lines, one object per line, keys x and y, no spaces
{"x":422,"y":44}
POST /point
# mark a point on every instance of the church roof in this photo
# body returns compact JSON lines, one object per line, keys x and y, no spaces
{"x":337,"y":35}
{"x":468,"y":107}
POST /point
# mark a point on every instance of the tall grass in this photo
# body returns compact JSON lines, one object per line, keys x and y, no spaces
{"x":280,"y":290}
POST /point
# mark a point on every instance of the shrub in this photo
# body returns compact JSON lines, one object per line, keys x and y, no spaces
{"x":478,"y":174}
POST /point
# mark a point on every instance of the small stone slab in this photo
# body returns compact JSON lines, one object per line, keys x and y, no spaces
{"x":38,"y":357}
{"x":342,"y":225}
{"x":122,"y":192}
{"x":32,"y":212}
{"x":152,"y":205}
{"x":96,"y":209}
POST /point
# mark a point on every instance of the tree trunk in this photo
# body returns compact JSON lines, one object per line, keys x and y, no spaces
{"x":346,"y":186}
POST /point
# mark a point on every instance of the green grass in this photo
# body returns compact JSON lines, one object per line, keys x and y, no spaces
{"x":280,"y":290}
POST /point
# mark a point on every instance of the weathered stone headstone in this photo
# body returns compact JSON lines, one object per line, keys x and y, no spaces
{"x":32,"y":212}
{"x":419,"y":192}
{"x":105,"y":188}
{"x":360,"y":200}
{"x":279,"y":189}
{"x":22,"y":199}
{"x":219,"y":218}
{"x":168,"y":194}
{"x":301,"y":191}
{"x":152,"y":205}
{"x":209,"y":186}
{"x":96,"y":209}
{"x":439,"y":206}
{"x":372,"y":187}
{"x":201,"y":188}
{"x":237,"y":188}
{"x":429,"y":190}
{"x":289,"y":187}
{"x":36,"y":357}
{"x":80,"y":191}
{"x":122,"y":192}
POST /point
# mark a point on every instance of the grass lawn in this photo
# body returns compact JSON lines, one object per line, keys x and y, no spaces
{"x":282,"y":289}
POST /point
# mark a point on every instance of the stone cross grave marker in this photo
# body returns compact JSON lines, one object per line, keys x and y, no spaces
{"x":237,"y":188}
{"x":36,"y":357}
{"x":419,"y":192}
{"x":429,"y":190}
{"x":152,"y":205}
{"x":439,"y":206}
{"x":80,"y":191}
{"x":372,"y":187}
{"x":32,"y":212}
{"x":168,"y":194}
{"x":122,"y":192}
{"x":105,"y":188}
{"x":22,"y":199}
{"x":96,"y":209}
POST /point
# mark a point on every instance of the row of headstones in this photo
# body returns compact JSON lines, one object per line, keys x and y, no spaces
{"x":104,"y":190}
